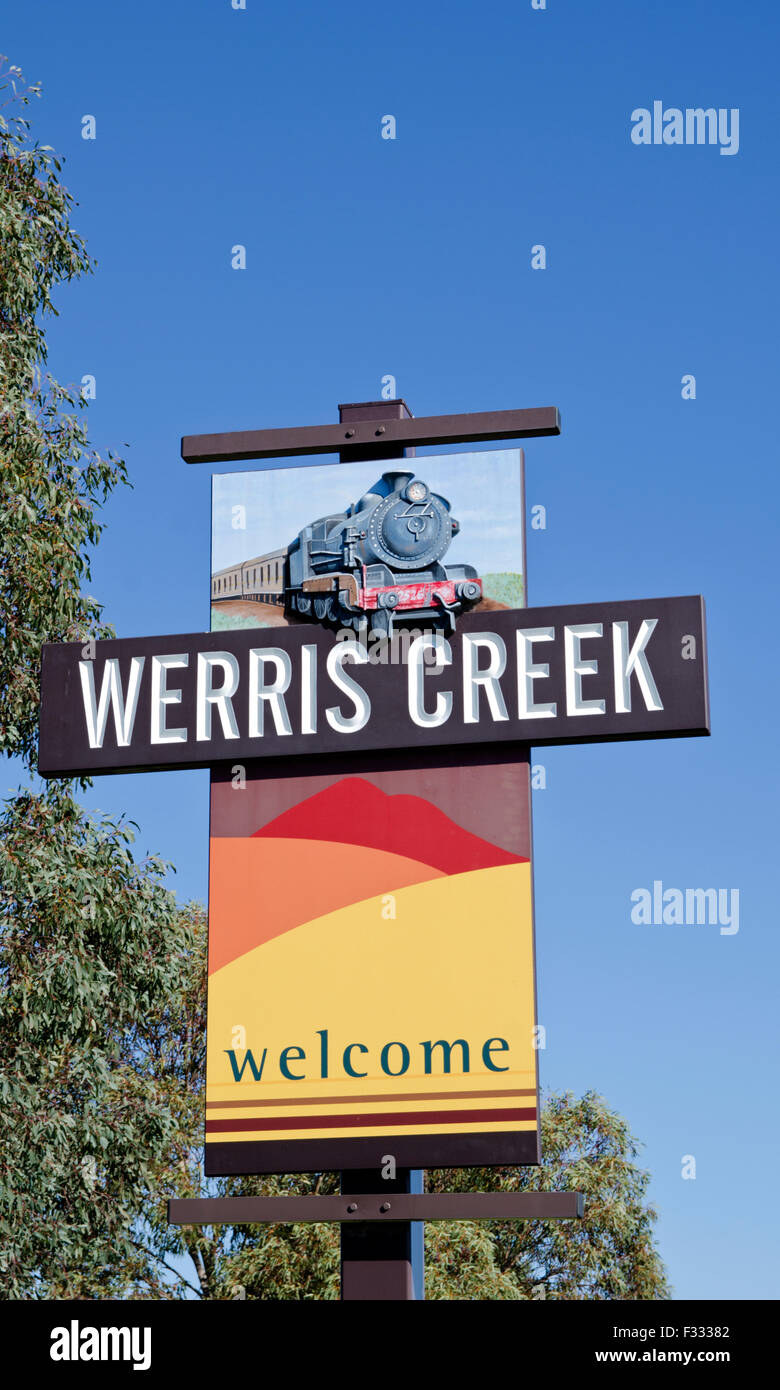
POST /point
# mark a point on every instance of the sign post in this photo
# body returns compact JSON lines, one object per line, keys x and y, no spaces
{"x":367,"y":704}
{"x":381,"y":1262}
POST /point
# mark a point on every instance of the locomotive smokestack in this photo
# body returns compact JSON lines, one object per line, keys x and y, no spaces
{"x":397,"y":481}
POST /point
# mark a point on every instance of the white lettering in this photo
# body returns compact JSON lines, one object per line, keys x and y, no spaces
{"x":308,"y":690}
{"x":634,"y":661}
{"x":348,"y":724}
{"x":208,"y":698}
{"x":576,"y":668}
{"x":96,"y":712}
{"x":261,"y":692}
{"x":162,"y":696}
{"x":418,"y":659}
{"x":76,"y":1343}
{"x":473,"y":677}
{"x":60,"y":1344}
{"x":528,"y":672}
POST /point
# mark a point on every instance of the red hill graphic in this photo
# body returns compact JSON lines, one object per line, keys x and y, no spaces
{"x":355,"y":812}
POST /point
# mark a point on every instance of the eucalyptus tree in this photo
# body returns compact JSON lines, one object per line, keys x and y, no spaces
{"x":52,"y":481}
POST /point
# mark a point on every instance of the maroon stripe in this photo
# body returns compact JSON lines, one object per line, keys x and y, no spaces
{"x":366,"y":1100}
{"x":415,"y":1117}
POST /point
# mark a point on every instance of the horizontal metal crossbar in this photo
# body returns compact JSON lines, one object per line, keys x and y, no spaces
{"x":362,"y":434}
{"x":426,"y":1206}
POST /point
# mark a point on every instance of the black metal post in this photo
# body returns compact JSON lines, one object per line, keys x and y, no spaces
{"x":380,"y":1261}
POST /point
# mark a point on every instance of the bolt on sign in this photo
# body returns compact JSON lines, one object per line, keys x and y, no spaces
{"x":366,"y":699}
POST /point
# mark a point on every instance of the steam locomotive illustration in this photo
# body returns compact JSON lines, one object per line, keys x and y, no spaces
{"x":374,"y":565}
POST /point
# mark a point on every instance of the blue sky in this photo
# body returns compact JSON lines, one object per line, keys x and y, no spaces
{"x":412,"y":257}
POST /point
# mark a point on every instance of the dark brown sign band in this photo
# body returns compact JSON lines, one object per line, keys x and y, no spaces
{"x":590,"y":672}
{"x":507,"y":1147}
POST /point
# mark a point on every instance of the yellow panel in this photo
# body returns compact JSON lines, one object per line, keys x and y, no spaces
{"x":443,"y":960}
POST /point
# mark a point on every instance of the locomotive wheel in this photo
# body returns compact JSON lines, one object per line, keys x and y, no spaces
{"x":303,"y":603}
{"x":323,"y":608}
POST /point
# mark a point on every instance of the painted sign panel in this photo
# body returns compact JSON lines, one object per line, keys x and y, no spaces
{"x":586,"y":672}
{"x":371,"y":967}
{"x":369,"y":548}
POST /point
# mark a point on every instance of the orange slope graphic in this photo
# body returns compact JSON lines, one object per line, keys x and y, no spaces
{"x":259,"y":888}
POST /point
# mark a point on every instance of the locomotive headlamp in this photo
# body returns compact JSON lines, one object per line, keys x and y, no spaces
{"x":416,"y":491}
